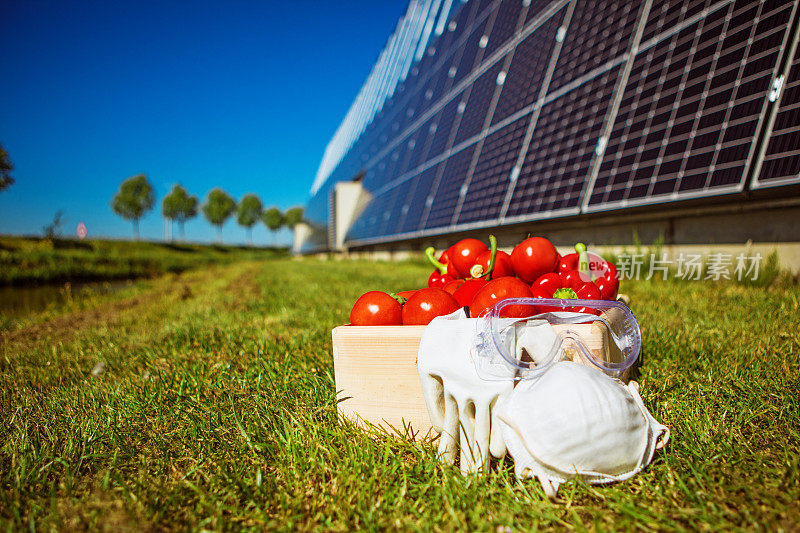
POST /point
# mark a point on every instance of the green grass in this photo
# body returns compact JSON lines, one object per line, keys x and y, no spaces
{"x":217,"y":411}
{"x":32,"y":260}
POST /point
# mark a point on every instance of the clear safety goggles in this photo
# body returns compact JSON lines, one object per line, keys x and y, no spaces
{"x":598,"y":333}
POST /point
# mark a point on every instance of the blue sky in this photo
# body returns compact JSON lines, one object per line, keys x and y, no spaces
{"x":238,"y":94}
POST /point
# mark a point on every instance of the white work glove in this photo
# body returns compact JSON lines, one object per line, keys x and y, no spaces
{"x":460,"y":403}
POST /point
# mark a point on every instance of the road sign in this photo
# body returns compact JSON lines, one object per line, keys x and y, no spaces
{"x":81,"y":230}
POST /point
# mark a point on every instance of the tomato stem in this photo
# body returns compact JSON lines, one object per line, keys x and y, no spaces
{"x":429,"y":253}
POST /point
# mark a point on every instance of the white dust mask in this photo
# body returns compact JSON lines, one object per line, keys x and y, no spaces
{"x":576,"y":421}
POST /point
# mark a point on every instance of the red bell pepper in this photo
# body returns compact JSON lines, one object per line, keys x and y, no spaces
{"x":602,"y":272}
{"x":481,"y":275}
{"x":444,"y":272}
{"x":568,"y":284}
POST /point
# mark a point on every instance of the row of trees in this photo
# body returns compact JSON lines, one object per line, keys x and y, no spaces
{"x":136,"y":197}
{"x":6,"y":166}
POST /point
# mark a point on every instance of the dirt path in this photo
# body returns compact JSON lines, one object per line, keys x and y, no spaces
{"x":164,"y":293}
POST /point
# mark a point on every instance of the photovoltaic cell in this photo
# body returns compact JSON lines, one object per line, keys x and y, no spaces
{"x":444,"y":128}
{"x":781,"y":164}
{"x":667,"y":14}
{"x":505,"y":24}
{"x":561,"y":149}
{"x":599,"y":31}
{"x":372,"y":219}
{"x":421,"y":143}
{"x":535,"y":9}
{"x":477,"y":105}
{"x":524,"y":77}
{"x":415,"y":202}
{"x":691,"y":108}
{"x":397,"y":208}
{"x":446,"y":195}
{"x":432,"y":90}
{"x":490,"y":179}
{"x":470,"y":54}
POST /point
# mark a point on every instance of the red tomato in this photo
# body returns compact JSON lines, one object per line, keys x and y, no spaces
{"x":376,"y":308}
{"x":427,"y":304}
{"x":463,"y":255}
{"x":502,"y":264}
{"x":453,"y":285}
{"x":500,"y":289}
{"x":467,"y":291}
{"x":533,"y":257}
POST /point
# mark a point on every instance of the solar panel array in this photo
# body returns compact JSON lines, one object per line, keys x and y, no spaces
{"x":523,"y":110}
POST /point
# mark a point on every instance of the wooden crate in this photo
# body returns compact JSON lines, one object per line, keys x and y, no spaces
{"x":377,"y":380}
{"x":377,"y":383}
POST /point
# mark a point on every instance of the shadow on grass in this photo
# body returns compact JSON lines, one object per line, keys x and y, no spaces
{"x":177,"y":247}
{"x":71,"y":244}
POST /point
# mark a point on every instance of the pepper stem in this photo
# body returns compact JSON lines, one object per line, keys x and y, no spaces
{"x":429,"y":253}
{"x":492,"y":257}
{"x":565,"y":293}
{"x":583,"y":260}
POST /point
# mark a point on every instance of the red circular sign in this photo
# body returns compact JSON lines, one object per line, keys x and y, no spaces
{"x":81,"y":230}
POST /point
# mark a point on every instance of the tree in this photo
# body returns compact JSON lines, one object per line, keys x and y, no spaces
{"x":218,"y":208}
{"x":6,"y":166}
{"x":179,"y":206}
{"x":134,"y":198}
{"x":293,"y":216}
{"x":248,"y":212}
{"x":273,"y":219}
{"x":53,"y":230}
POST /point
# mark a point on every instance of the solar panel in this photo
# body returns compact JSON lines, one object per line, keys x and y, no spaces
{"x":476,"y":106}
{"x":598,"y":31}
{"x":530,"y":109}
{"x":444,"y":195}
{"x":523,"y":80}
{"x":505,"y":25}
{"x":692,"y":106}
{"x":416,"y":204}
{"x":444,"y":129}
{"x":781,"y":162}
{"x":484,"y":195}
{"x":561,"y":149}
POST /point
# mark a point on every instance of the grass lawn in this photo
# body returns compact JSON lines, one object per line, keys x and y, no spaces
{"x":214,"y":407}
{"x":33,"y":260}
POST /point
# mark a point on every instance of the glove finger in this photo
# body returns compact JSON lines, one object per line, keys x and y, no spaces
{"x":482,"y":434}
{"x":470,"y":452}
{"x":448,"y":440}
{"x":496,"y":442}
{"x":433,"y":392}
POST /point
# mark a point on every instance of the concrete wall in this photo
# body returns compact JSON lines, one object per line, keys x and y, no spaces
{"x":744,"y":227}
{"x":351,"y":199}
